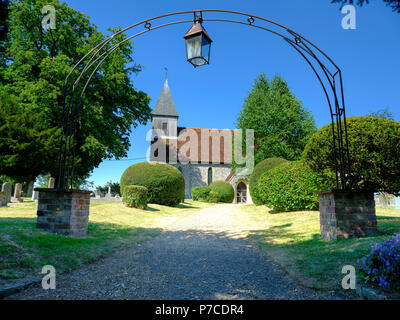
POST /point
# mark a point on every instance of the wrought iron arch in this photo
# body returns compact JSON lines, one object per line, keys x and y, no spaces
{"x":327,"y":72}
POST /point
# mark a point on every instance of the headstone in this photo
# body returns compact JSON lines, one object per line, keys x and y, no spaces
{"x":35,"y":195}
{"x":98,"y":194}
{"x":7,"y":187}
{"x":51,"y":183}
{"x":30,"y":189}
{"x":397,"y":202}
{"x":3,"y":198}
{"x":18,"y":192}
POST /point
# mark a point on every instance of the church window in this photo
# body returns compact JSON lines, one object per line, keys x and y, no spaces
{"x":164,"y":127}
{"x":209,"y":173}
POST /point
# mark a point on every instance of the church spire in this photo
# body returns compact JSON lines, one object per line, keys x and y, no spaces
{"x":165,"y":105}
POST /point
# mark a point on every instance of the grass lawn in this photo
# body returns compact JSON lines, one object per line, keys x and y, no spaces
{"x":24,"y":250}
{"x":292,"y":239}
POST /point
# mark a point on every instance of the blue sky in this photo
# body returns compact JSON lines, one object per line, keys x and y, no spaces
{"x":212,"y":96}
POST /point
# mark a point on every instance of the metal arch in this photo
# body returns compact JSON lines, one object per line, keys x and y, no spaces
{"x":97,"y":55}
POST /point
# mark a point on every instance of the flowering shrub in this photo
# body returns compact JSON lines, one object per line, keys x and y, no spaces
{"x":382,"y":265}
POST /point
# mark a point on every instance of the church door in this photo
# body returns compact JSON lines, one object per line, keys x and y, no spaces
{"x":241,"y":193}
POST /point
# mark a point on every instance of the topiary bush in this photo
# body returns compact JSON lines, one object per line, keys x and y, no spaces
{"x":259,"y":169}
{"x":200,"y":193}
{"x":213,"y":197}
{"x":374,"y":148}
{"x":382,"y":265}
{"x":224,"y":190}
{"x":135,"y":196}
{"x":291,"y":186}
{"x":165,"y":183}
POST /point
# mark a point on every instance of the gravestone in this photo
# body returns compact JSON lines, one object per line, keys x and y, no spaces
{"x":98,"y":194}
{"x":35,"y":195}
{"x":108,"y":195}
{"x":3,"y":198}
{"x":397,"y":202}
{"x":30,"y":189}
{"x":7,"y":188}
{"x":18,"y":193}
{"x":51,"y":183}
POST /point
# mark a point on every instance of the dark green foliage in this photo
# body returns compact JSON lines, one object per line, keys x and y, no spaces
{"x":374,"y":146}
{"x":281,"y":125}
{"x":164,"y":182}
{"x":394,"y":4}
{"x":135,"y":196}
{"x":115,"y":188}
{"x":291,"y":186}
{"x":33,"y":68}
{"x":224,"y":190}
{"x":259,"y":169}
{"x":200,"y":193}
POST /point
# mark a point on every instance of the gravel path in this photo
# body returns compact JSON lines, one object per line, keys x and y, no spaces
{"x":202,"y":256}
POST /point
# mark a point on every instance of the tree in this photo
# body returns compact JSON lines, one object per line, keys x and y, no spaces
{"x":394,"y":4}
{"x":382,"y":113}
{"x":281,"y":125}
{"x":374,"y":148}
{"x":38,"y":61}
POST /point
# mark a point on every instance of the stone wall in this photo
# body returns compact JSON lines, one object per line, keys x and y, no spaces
{"x":64,"y":212}
{"x":347,"y":214}
{"x":196,"y":175}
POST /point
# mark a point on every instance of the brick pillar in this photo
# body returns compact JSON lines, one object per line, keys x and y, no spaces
{"x":64,"y":212}
{"x":347,"y":214}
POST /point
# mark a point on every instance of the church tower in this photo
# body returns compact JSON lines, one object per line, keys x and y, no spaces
{"x":164,"y":123}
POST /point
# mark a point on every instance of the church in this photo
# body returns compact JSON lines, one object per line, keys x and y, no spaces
{"x":202,"y":155}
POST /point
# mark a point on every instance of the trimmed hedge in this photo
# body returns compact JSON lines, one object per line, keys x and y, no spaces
{"x":200,"y":193}
{"x":374,"y":148}
{"x":224,"y":190}
{"x":135,"y":196}
{"x":213,"y":197}
{"x":259,"y":169}
{"x":291,"y":186}
{"x":165,"y":183}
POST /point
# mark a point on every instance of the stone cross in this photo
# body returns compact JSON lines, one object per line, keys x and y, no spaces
{"x":7,"y":187}
{"x":18,"y":192}
{"x":51,"y":183}
{"x":109,"y":187}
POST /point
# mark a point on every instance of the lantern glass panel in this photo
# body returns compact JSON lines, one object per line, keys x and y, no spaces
{"x":193,"y":47}
{"x":205,"y":49}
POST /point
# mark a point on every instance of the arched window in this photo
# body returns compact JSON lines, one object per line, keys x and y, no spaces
{"x":209,"y":176}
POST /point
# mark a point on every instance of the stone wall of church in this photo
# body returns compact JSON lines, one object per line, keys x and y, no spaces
{"x":196,"y":175}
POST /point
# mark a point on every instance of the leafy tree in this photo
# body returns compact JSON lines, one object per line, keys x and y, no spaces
{"x":115,"y":188}
{"x":382,"y":113}
{"x":374,"y":148}
{"x":281,"y":125}
{"x":394,"y":4}
{"x":38,"y":61}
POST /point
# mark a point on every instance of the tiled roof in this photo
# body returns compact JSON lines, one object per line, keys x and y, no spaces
{"x":213,"y":145}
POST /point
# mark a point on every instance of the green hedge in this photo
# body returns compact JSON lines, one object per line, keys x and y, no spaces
{"x":200,"y":193}
{"x":135,"y":196}
{"x":374,"y":148}
{"x":165,"y":183}
{"x":224,"y":190}
{"x":213,"y":197}
{"x":259,"y":169}
{"x":291,"y":186}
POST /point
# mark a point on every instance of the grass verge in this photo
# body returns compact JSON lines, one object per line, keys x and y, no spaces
{"x":292,"y":240}
{"x":24,"y":250}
